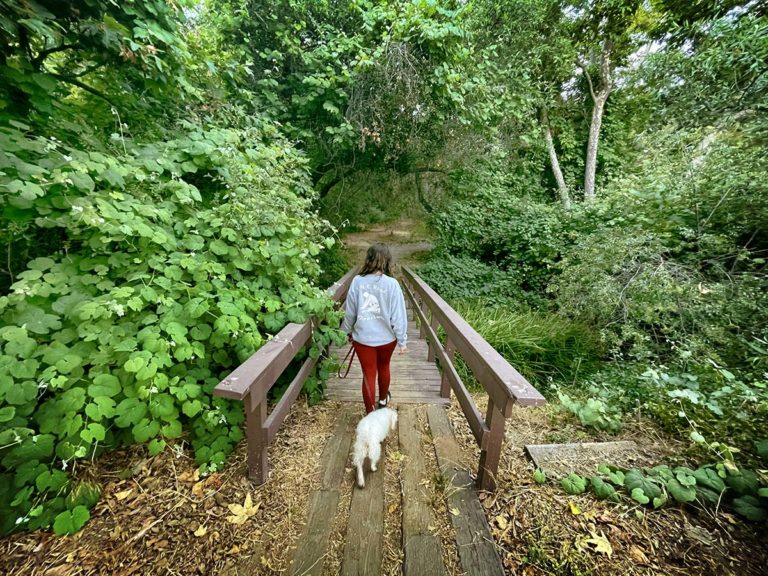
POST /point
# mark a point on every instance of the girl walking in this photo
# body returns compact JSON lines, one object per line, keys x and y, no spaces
{"x":375,"y":322}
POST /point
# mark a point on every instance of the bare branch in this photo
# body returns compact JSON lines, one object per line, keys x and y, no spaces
{"x":37,"y":62}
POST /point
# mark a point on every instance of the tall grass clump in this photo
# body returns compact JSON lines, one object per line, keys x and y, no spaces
{"x":545,"y":348}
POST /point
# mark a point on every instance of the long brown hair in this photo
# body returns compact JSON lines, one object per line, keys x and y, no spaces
{"x":378,"y":259}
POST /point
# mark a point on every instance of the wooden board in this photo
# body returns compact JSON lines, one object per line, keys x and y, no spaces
{"x":423,"y":554}
{"x":473,"y":536}
{"x":363,"y":548}
{"x":582,"y":457}
{"x":415,"y":380}
{"x":323,"y":501}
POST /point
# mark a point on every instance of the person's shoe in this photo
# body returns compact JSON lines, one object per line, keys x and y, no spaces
{"x":383,"y":403}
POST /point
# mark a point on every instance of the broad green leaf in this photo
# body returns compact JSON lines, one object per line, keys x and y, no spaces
{"x":708,"y":478}
{"x":574,"y":484}
{"x":638,"y":495}
{"x":129,"y":412}
{"x":145,"y":430}
{"x":634,"y":479}
{"x":104,"y":385}
{"x":69,"y":522}
{"x":750,"y":508}
{"x":681,"y":493}
{"x":603,"y":490}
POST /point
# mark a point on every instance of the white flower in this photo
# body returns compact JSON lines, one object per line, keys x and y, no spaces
{"x":77,"y":209}
{"x":64,"y":465}
{"x":67,"y":158}
{"x":153,"y":390}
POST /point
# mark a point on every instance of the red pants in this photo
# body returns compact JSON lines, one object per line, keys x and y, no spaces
{"x":374,"y":359}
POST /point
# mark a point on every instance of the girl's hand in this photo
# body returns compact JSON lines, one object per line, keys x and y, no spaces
{"x":403,"y":349}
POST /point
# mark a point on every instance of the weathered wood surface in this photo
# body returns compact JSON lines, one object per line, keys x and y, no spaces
{"x":473,"y":536}
{"x":423,"y":553}
{"x":323,"y":501}
{"x":414,"y":378}
{"x":582,"y":456}
{"x":365,"y":533}
{"x":505,"y":385}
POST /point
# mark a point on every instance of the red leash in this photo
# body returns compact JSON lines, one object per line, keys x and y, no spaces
{"x":351,"y":356}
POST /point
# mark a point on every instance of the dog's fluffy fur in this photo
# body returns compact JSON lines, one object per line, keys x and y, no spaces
{"x":371,"y":432}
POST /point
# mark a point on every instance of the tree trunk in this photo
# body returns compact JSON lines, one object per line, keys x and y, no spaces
{"x":599,"y":99}
{"x":562,"y":189}
{"x":594,"y":138}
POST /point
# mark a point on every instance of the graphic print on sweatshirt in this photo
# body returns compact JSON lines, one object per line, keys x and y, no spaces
{"x":370,"y":308}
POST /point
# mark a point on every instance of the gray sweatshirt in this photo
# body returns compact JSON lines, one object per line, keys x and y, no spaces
{"x":375,"y":311}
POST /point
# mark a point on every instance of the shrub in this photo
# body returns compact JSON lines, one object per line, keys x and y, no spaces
{"x":177,"y":260}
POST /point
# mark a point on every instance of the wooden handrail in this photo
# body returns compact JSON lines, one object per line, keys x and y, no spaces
{"x":505,"y":385}
{"x":253,"y":379}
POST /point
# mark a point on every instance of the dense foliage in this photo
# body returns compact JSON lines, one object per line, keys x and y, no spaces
{"x":666,"y":266}
{"x":595,"y":172}
{"x":147,"y":255}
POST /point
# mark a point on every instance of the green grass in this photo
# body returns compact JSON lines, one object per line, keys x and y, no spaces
{"x":545,"y":348}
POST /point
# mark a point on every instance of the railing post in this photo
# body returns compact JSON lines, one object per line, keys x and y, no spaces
{"x":432,"y":345}
{"x":258,"y":467}
{"x":422,"y":327}
{"x":445,"y":383}
{"x":489,"y":458}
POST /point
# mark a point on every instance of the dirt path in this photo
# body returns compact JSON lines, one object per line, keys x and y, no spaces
{"x":407,"y":240}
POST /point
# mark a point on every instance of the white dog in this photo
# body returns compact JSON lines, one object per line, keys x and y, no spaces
{"x":371,"y":432}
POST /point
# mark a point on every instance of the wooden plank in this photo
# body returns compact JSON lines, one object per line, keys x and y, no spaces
{"x":474,"y":542}
{"x":365,"y":534}
{"x":505,"y":385}
{"x":583,"y":457}
{"x":338,"y":290}
{"x":313,"y":544}
{"x":355,"y":399}
{"x":323,"y":501}
{"x":336,"y":451}
{"x":423,"y":552}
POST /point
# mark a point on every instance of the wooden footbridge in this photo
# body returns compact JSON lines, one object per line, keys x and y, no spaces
{"x":422,"y":380}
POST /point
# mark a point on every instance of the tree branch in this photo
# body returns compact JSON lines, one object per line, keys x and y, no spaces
{"x":588,"y":77}
{"x":89,"y":89}
{"x":43,"y":54}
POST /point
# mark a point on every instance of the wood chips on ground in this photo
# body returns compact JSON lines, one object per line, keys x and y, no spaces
{"x":541,"y":530}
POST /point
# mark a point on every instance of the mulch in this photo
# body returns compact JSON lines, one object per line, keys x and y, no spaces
{"x":539,"y":529}
{"x":158,"y":516}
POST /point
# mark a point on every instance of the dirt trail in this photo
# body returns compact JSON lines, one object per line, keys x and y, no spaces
{"x":405,"y":238}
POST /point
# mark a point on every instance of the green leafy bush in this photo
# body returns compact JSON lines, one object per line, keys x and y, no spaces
{"x":592,"y":413}
{"x":177,"y":260}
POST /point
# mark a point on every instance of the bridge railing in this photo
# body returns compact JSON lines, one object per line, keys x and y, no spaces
{"x":505,"y":385}
{"x":253,"y":379}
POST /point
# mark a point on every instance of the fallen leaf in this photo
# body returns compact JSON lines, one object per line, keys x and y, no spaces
{"x":455,"y":511}
{"x":192,"y":475}
{"x":240,"y":514}
{"x":201,"y":531}
{"x":597,"y":543}
{"x":501,"y":521}
{"x":637,"y":555}
{"x":198,"y":489}
{"x":123,"y":494}
{"x":392,"y":507}
{"x":575,"y":510}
